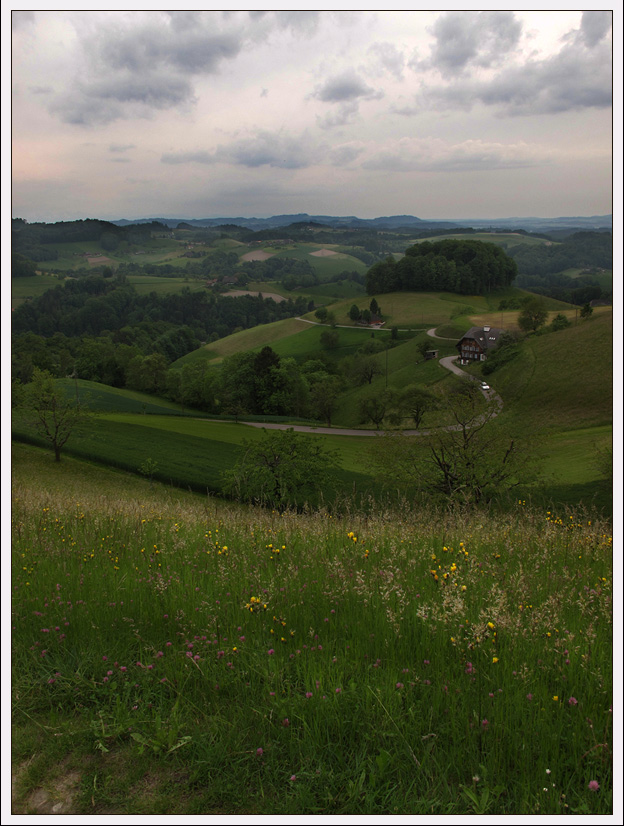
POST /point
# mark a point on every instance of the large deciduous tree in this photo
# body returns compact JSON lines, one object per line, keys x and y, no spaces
{"x":533,"y":315}
{"x":469,"y":462}
{"x":281,"y":470}
{"x":51,"y":412}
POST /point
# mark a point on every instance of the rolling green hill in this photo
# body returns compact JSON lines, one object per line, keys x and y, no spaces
{"x":563,"y":379}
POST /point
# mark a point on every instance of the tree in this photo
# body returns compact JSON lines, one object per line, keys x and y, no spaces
{"x":533,"y":315}
{"x":283,"y":469}
{"x":364,"y":368}
{"x":414,"y":401}
{"x":329,"y":339}
{"x":354,"y":312}
{"x":559,"y":322}
{"x":54,"y":416}
{"x":469,"y":462}
{"x":586,"y":310}
{"x":374,"y":407}
{"x":324,"y":398}
{"x":321,"y":314}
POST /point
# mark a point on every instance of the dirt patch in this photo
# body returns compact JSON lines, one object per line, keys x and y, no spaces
{"x":101,"y":259}
{"x":257,"y":255}
{"x":236,"y":293}
{"x":58,"y":800}
{"x":324,"y":253}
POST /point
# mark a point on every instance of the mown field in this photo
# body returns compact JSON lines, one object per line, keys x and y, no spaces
{"x":176,"y":654}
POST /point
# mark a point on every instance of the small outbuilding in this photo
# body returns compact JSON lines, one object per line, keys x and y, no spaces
{"x":477,"y":343}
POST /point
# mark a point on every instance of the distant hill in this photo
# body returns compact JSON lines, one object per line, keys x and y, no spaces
{"x":594,"y":222}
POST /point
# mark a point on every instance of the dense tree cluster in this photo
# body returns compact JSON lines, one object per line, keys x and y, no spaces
{"x":90,"y":306}
{"x":467,"y":267}
{"x":101,"y":329}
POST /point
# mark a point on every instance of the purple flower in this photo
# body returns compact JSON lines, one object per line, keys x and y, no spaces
{"x":293,"y":777}
{"x":271,"y":651}
{"x":485,"y":723}
{"x":399,"y":685}
{"x":593,"y":786}
{"x":529,"y":697}
{"x":572,"y":701}
{"x":286,"y":722}
{"x":259,"y":752}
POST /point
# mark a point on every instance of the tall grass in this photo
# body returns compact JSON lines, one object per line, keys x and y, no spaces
{"x":403,"y":663}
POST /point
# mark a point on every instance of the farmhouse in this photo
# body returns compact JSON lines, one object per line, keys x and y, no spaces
{"x":477,"y":343}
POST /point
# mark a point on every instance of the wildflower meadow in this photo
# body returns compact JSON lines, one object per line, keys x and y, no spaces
{"x":186,"y":655}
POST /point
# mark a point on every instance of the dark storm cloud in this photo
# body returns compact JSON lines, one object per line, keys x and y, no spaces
{"x":463,"y":39}
{"x":576,"y":78}
{"x":199,"y":50}
{"x":122,"y":95}
{"x":151,"y":65}
{"x":263,"y":149}
{"x":155,"y":61}
{"x":595,"y":25}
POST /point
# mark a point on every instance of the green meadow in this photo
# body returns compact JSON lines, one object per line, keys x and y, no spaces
{"x":176,"y":654}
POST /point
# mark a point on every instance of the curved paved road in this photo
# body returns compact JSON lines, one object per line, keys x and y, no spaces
{"x":448,"y":362}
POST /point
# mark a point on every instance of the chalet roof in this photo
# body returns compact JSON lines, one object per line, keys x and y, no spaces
{"x":486,"y":336}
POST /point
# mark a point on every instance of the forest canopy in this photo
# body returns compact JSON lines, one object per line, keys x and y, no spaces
{"x":467,"y":267}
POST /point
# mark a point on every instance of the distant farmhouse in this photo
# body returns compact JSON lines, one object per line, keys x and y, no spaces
{"x":477,"y":343}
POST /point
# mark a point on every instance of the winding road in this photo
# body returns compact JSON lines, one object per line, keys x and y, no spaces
{"x":449,"y":362}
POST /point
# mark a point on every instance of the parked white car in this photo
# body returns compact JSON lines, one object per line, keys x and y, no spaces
{"x":485,"y":385}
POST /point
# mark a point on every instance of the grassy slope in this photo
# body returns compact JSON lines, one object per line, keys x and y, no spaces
{"x":565,"y":379}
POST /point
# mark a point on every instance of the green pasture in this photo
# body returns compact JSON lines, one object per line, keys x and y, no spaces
{"x":324,"y":266}
{"x":603,"y":277}
{"x":193,"y":454}
{"x":329,"y":292}
{"x":306,"y":344}
{"x":23,"y":289}
{"x":252,"y":339}
{"x":411,"y":309}
{"x":562,"y":380}
{"x":104,"y":399}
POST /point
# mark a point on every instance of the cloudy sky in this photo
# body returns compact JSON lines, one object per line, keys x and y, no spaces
{"x":440,"y":114}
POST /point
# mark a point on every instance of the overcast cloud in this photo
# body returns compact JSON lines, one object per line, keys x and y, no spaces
{"x":441,"y":114}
